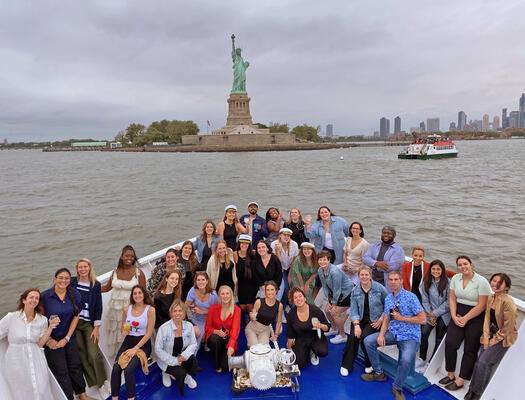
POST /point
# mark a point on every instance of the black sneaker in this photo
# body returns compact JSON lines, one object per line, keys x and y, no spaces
{"x":446,"y":380}
{"x":374,"y":376}
{"x":398,"y":394}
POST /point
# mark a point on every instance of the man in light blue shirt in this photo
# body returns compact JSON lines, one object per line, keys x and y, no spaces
{"x":402,"y":320}
{"x":384,"y":256}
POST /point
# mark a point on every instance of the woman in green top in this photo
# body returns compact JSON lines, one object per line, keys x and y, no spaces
{"x":304,"y":271}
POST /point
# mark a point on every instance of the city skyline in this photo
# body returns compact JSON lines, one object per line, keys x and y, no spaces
{"x":89,"y":69}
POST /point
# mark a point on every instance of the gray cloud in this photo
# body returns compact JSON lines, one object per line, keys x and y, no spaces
{"x":89,"y":69}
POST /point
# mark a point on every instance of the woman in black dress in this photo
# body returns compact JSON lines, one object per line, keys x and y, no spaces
{"x":266,"y":266}
{"x":188,"y":259}
{"x":169,"y":289}
{"x":230,"y":227}
{"x":221,"y":267}
{"x":305,"y":329}
{"x":296,"y":224}
{"x":246,"y":281}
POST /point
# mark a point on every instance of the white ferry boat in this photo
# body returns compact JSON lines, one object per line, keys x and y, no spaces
{"x":433,"y":146}
{"x":323,"y":379}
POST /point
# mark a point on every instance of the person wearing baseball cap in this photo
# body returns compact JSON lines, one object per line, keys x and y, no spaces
{"x":256,"y":224}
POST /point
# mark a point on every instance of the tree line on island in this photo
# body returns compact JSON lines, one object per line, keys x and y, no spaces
{"x":171,"y":132}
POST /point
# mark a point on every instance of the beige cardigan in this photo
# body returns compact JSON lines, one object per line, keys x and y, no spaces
{"x":213,"y":273}
{"x":505,"y":317}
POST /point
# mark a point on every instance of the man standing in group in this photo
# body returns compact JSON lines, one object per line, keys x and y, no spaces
{"x":384,"y":256}
{"x":402,"y":320}
{"x":256,"y":224}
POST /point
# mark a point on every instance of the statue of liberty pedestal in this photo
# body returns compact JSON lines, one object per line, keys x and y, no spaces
{"x":239,"y":69}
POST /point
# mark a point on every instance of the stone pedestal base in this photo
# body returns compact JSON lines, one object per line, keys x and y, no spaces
{"x":239,"y":110}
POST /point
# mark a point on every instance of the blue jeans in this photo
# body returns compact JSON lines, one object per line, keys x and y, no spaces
{"x":282,"y":295}
{"x":407,"y":355}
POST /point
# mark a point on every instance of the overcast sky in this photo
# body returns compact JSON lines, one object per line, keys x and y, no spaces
{"x":88,"y":69}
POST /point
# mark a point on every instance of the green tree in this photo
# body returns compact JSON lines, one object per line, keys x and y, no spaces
{"x":132,"y":131}
{"x":276,"y":127}
{"x":176,"y":129}
{"x":259,"y":125}
{"x":307,"y":132}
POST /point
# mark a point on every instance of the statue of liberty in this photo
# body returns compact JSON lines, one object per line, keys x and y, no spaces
{"x":239,"y":69}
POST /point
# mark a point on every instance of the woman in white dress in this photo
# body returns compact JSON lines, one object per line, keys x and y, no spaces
{"x":120,"y":283}
{"x":25,"y":368}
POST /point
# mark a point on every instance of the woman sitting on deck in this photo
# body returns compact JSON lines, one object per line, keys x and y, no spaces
{"x":169,"y":264}
{"x":499,"y":333}
{"x":169,"y":290}
{"x":305,"y":330}
{"x":175,"y":347}
{"x":137,"y":324}
{"x":223,"y":324}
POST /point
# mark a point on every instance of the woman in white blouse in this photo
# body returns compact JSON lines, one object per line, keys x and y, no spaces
{"x":24,"y":366}
{"x":354,"y":250}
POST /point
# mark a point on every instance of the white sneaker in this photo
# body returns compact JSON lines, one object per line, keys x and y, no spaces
{"x":313,"y":358}
{"x":190,"y":382}
{"x":343,"y":371}
{"x":287,"y":308}
{"x":368,"y":370}
{"x":103,"y":392}
{"x":284,"y":319}
{"x":331,"y":332}
{"x":420,"y":363}
{"x":166,"y":379}
{"x":338,"y":339}
{"x":206,"y":348}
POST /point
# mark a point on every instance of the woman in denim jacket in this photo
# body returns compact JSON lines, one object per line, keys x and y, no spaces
{"x":365,"y":317}
{"x":175,"y":348}
{"x":434,"y":298}
{"x":328,"y":233}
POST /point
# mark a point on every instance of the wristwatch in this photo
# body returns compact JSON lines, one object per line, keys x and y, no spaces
{"x":67,"y":338}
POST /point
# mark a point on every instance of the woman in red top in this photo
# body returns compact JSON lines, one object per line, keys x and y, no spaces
{"x":222,"y":327}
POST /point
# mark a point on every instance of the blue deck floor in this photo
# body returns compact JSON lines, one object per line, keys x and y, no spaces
{"x":322,"y":382}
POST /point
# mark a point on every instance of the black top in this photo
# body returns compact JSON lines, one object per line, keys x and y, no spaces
{"x":246,"y":282}
{"x":230,"y":235}
{"x":225,"y":276}
{"x":272,"y":272}
{"x":296,"y":328}
{"x":185,"y":264}
{"x":297,"y":232}
{"x":162,"y":303}
{"x":177,"y":346}
{"x":493,"y":323}
{"x":206,"y":254}
{"x":366,"y":309}
{"x":378,"y":274}
{"x":267,"y":314}
{"x":417,"y":275}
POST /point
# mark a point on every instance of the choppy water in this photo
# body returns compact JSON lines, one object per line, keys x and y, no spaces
{"x":58,"y":207}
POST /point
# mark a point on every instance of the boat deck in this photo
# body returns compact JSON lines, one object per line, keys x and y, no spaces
{"x":321,"y":381}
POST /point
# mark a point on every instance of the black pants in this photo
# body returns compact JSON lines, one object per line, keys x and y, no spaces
{"x":352,"y":345}
{"x":487,"y":361}
{"x":129,"y":371}
{"x":470,"y":333}
{"x":65,"y":365}
{"x":218,"y":349}
{"x":179,"y":371}
{"x":441,"y":329}
{"x":303,"y":346}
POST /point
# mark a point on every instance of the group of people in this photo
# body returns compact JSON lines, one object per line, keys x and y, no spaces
{"x":276,"y":270}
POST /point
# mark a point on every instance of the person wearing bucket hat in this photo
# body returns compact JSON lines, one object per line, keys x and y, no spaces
{"x":255,"y":224}
{"x":230,"y":227}
{"x":246,"y":281}
{"x":385,"y":256}
{"x":286,"y":250}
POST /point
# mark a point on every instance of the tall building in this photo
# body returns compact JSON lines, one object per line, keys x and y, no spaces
{"x":433,"y":125}
{"x":522,"y":102}
{"x":514,"y":119}
{"x":504,"y":119}
{"x":485,"y":123}
{"x":522,"y":119}
{"x":384,"y":127}
{"x":462,"y":120}
{"x":495,"y":123}
{"x":422,"y":126}
{"x":397,"y":126}
{"x":452,"y":127}
{"x":329,"y":130}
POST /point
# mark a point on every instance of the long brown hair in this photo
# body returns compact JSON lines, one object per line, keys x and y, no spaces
{"x":39,"y":307}
{"x":164,"y":284}
{"x":203,"y":233}
{"x":208,"y":288}
{"x":193,"y":260}
{"x":147,"y":298}
{"x":303,"y":259}
{"x":69,"y":292}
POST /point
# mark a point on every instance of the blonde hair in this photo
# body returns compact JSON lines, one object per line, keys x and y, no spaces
{"x":289,"y":220}
{"x":364,"y":267}
{"x":229,"y":289}
{"x":418,"y":248}
{"x":92,"y":277}
{"x":178,"y":303}
{"x":228,"y":257}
